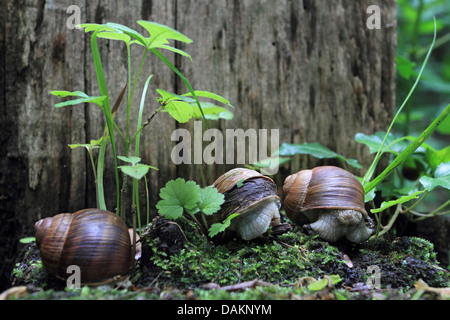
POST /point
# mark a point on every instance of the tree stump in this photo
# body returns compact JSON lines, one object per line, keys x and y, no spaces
{"x":311,"y":69}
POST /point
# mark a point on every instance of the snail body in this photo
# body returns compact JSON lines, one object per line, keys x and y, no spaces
{"x":96,"y":241}
{"x":253,"y":196}
{"x":328,"y":201}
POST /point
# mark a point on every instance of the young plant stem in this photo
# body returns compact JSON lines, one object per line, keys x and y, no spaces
{"x":133,"y":250}
{"x":372,"y":167}
{"x":100,"y":165}
{"x":123,"y":195}
{"x":434,"y":213}
{"x":135,"y":205}
{"x":135,"y":194}
{"x":107,"y":108}
{"x":403,"y":156}
{"x":391,"y":221}
{"x":95,"y":175}
{"x":146,"y":123}
{"x":197,"y":223}
{"x":148,"y":199}
{"x":185,"y":81}
{"x":416,"y":203}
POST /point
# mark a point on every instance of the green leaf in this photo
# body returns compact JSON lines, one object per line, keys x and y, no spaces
{"x":316,"y":150}
{"x":206,"y":94}
{"x":269,"y":166}
{"x":88,"y":27}
{"x":392,"y":144}
{"x":444,"y":127}
{"x":132,"y":33}
{"x":220,"y":227}
{"x":400,"y":200}
{"x":78,"y":145}
{"x":167,"y":97}
{"x":182,"y":77}
{"x":322,"y":283}
{"x":160,"y":34}
{"x":115,"y":36}
{"x":93,"y":145}
{"x":405,"y":67}
{"x":176,"y":196}
{"x":441,"y":178}
{"x":180,"y":111}
{"x":137,"y":171}
{"x":175,"y":50}
{"x":212,"y":112}
{"x":27,"y":240}
{"x":436,"y":157}
{"x":132,"y":160}
{"x":63,"y":93}
{"x":318,"y":285}
{"x":210,"y":200}
{"x":97,"y":100}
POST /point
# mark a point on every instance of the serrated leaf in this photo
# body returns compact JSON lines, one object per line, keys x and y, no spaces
{"x":176,"y":196}
{"x":210,"y":200}
{"x":388,"y":204}
{"x":314,"y":149}
{"x":216,"y":228}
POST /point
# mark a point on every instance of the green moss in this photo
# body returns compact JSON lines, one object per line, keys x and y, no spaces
{"x":29,"y":271}
{"x":173,"y":268}
{"x":284,"y":259}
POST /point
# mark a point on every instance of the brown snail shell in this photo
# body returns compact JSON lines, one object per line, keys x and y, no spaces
{"x":328,"y":201}
{"x":251,"y":194}
{"x":96,"y":241}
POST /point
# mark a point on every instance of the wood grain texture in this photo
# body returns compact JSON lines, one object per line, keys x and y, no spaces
{"x":311,"y":69}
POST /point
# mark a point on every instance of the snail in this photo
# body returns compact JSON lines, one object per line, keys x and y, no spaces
{"x":328,"y":201}
{"x":96,"y":241}
{"x":253,"y":196}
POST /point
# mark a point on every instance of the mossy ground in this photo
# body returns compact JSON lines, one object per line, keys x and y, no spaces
{"x":179,"y":263}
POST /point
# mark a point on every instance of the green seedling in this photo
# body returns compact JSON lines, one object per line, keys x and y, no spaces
{"x":181,"y":107}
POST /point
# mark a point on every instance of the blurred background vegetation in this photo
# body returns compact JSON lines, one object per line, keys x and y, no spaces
{"x":415,"y":34}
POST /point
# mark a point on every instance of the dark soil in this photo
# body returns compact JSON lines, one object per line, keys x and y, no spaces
{"x":178,"y":262}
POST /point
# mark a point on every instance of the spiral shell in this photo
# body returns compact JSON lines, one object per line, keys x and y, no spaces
{"x":330,"y":197}
{"x":253,"y":196}
{"x":96,"y":241}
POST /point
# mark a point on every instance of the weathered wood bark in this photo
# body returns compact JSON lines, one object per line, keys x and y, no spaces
{"x":311,"y":69}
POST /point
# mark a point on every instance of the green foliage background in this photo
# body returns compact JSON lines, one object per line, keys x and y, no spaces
{"x":415,"y":31}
